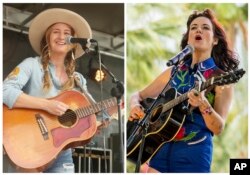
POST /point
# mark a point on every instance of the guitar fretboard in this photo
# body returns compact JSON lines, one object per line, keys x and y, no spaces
{"x":92,"y":109}
{"x":184,"y":96}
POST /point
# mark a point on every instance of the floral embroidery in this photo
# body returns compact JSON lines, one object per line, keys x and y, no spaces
{"x":14,"y":73}
{"x":189,"y":136}
{"x":183,"y":67}
{"x":210,"y":98}
{"x":181,"y":76}
{"x":208,"y":73}
{"x":180,"y":136}
{"x":184,"y":81}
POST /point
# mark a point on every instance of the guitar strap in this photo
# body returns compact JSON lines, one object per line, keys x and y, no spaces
{"x":84,"y":91}
{"x":105,"y":115}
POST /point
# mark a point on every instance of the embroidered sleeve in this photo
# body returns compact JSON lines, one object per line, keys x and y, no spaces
{"x":16,"y":80}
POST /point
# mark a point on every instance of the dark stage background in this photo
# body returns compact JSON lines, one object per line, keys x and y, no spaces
{"x":107,"y":23}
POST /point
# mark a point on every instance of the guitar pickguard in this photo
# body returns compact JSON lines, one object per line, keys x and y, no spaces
{"x":61,"y":134}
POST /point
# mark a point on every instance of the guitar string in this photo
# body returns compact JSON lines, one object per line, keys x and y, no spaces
{"x":84,"y":111}
{"x":183,"y":97}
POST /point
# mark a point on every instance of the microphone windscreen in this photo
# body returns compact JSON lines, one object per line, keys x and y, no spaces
{"x":67,"y":39}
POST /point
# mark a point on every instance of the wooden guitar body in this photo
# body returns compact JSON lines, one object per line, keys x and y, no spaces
{"x":32,"y":139}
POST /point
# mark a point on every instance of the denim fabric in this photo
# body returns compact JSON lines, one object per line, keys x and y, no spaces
{"x":184,"y":157}
{"x":27,"y":77}
{"x":57,"y":166}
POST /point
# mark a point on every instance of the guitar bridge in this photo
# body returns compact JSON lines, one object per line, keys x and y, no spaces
{"x":42,"y":126}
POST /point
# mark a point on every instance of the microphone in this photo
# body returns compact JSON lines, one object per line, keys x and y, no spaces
{"x":179,"y":57}
{"x":85,"y":42}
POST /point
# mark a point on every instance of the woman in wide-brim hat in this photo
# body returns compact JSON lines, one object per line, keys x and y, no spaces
{"x":39,"y":34}
{"x":53,"y":71}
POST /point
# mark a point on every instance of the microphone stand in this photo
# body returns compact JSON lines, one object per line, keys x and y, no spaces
{"x":144,"y":124}
{"x":117,"y":92}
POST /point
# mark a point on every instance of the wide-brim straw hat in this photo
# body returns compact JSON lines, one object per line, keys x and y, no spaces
{"x":49,"y":17}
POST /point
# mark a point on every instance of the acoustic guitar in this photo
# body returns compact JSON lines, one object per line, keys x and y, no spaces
{"x":166,"y":118}
{"x":33,"y":138}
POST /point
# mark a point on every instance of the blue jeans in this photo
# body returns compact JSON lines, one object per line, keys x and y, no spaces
{"x":57,"y":166}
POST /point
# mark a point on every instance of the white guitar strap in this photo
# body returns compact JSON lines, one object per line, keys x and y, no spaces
{"x":90,"y":98}
{"x":84,"y":91}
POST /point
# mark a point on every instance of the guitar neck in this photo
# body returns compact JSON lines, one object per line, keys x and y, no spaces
{"x":94,"y":108}
{"x":183,"y":97}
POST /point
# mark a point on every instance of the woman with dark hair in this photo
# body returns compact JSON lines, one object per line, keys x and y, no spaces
{"x":191,"y":149}
{"x":224,"y":58}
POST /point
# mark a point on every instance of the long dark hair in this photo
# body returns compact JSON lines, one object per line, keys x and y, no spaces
{"x":224,"y":58}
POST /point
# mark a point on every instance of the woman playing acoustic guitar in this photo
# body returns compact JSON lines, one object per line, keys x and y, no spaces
{"x":36,"y":79}
{"x":191,"y":148}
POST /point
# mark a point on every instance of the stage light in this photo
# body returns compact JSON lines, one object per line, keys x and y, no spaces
{"x":97,"y":74}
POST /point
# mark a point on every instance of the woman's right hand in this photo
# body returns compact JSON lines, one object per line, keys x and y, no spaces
{"x":136,"y":110}
{"x":56,"y":107}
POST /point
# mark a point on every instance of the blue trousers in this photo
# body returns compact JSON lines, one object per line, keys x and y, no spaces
{"x":57,"y":166}
{"x":186,"y":157}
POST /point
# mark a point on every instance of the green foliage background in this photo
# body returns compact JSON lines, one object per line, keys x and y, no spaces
{"x":154,"y":33}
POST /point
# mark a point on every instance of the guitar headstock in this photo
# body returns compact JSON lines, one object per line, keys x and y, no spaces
{"x":228,"y":77}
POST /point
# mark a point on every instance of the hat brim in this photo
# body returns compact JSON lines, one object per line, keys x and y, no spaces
{"x":48,"y":17}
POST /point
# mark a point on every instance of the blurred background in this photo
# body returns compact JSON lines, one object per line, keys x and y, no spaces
{"x":154,"y":33}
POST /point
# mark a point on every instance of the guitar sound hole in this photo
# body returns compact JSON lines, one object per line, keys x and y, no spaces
{"x":156,"y":114}
{"x":68,"y":118}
